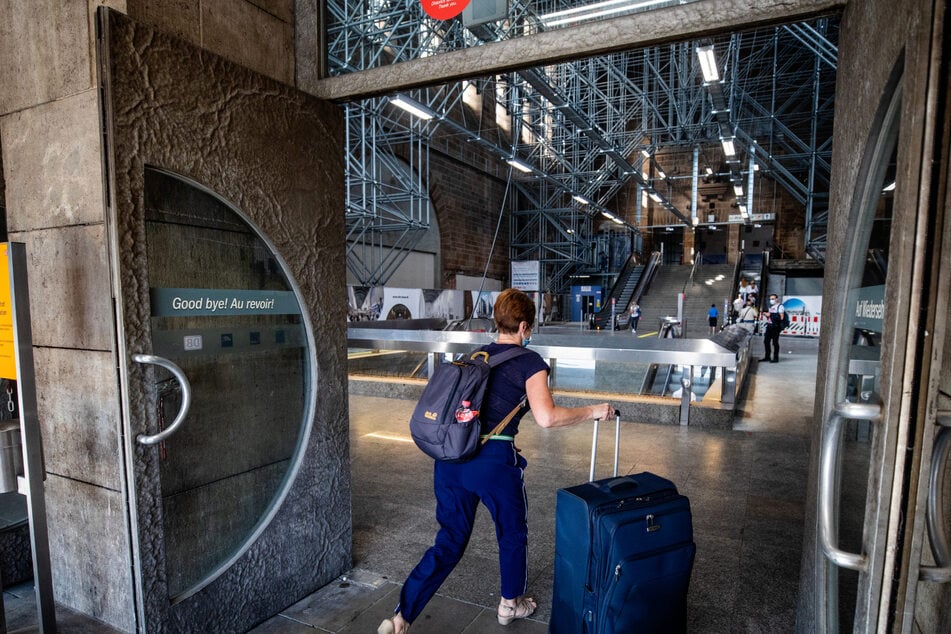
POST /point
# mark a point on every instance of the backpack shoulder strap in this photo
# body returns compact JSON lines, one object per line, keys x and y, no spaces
{"x":505,"y":355}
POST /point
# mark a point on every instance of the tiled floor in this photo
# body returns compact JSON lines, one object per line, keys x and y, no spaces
{"x":746,"y":487}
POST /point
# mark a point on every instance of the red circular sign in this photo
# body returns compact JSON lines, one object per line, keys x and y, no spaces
{"x":443,"y":9}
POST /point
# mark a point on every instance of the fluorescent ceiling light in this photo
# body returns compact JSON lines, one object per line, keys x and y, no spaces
{"x":596,"y":10}
{"x":890,"y":187}
{"x":608,"y":216}
{"x":580,"y":199}
{"x":655,"y":197}
{"x":410,"y":106}
{"x":743,"y":210}
{"x":646,"y":153}
{"x":709,"y":171}
{"x":708,"y":63}
{"x":755,"y":167}
{"x":517,"y":164}
{"x":738,"y":190}
{"x":728,"y":148}
{"x":661,"y":173}
{"x":618,"y":221}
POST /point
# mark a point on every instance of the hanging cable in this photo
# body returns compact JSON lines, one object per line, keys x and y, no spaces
{"x":498,"y":225}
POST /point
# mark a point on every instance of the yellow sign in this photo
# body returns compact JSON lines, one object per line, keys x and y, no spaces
{"x":8,"y":348}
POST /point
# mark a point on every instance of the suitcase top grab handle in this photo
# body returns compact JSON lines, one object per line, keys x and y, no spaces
{"x":594,"y":443}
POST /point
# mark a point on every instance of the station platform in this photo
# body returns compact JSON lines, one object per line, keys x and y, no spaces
{"x":746,"y":485}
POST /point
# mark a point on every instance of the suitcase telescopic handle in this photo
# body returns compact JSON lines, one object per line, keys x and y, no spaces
{"x":594,"y":443}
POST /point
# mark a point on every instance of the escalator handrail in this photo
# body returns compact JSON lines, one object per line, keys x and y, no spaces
{"x":735,"y":284}
{"x":693,"y":271}
{"x":653,"y":263}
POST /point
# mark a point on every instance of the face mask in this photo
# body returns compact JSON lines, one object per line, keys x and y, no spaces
{"x":525,"y":342}
{"x":772,"y":302}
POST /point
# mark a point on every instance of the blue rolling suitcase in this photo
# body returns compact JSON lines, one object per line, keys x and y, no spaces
{"x":624,"y":551}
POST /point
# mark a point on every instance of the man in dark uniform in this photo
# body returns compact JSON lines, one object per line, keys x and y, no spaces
{"x":773,"y":327}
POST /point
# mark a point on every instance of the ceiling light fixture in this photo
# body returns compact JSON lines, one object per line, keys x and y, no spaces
{"x":738,"y":190}
{"x":416,"y":109}
{"x":728,"y":148}
{"x":661,"y":173}
{"x":596,"y":10}
{"x":654,"y":196}
{"x":890,"y":187}
{"x":646,"y":153}
{"x":581,"y":199}
{"x":520,"y":166}
{"x":618,"y":221}
{"x":708,"y":63}
{"x":608,"y":215}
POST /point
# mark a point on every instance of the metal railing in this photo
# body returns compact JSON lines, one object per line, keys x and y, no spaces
{"x":569,"y":350}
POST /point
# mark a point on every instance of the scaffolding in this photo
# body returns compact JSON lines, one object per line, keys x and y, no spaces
{"x":582,"y":131}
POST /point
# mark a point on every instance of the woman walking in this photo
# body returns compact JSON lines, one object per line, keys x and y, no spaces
{"x":494,"y":476}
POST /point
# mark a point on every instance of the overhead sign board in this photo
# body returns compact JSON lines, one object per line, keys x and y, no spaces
{"x":526,"y":275}
{"x":765,"y":217}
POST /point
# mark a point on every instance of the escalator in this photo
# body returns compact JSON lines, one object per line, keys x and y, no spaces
{"x":659,"y":378}
{"x":669,"y":380}
{"x":630,"y":285}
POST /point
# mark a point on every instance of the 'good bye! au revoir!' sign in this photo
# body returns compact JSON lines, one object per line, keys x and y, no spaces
{"x":443,"y":9}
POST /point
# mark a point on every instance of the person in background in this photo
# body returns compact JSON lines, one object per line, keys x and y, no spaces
{"x":712,"y":316}
{"x":635,"y":317}
{"x":494,"y":476}
{"x":744,"y":289}
{"x":747,"y":316}
{"x":773,"y":327}
{"x":737,"y":305}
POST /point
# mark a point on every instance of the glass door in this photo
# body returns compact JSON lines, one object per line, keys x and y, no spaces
{"x":230,"y":376}
{"x":854,"y":459}
{"x":883,"y":456}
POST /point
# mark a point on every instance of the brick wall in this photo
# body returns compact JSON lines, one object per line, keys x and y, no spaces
{"x":716,"y":199}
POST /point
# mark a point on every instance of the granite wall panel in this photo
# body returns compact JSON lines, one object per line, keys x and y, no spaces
{"x":44,"y":45}
{"x":91,"y":569}
{"x":250,"y":36}
{"x":53,"y":167}
{"x":181,"y":18}
{"x":70,"y":302}
{"x":78,"y":410}
{"x":281,"y":9}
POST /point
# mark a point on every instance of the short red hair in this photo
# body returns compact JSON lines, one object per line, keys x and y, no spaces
{"x":512,"y":308}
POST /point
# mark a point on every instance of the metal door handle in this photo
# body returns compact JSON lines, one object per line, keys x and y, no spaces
{"x":935,"y":512}
{"x":829,"y":453}
{"x":176,"y":371}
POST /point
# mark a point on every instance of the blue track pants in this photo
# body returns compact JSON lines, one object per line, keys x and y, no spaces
{"x":495,"y":478}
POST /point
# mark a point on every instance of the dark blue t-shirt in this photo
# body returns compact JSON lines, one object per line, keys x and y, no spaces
{"x":506,"y":387}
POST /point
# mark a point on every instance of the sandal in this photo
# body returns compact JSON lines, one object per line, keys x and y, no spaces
{"x":524,"y":607}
